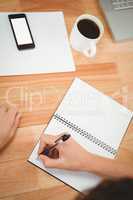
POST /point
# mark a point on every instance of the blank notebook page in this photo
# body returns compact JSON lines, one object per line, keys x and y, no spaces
{"x":95,"y":121}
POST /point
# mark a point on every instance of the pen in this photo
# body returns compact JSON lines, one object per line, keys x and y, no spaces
{"x":61,"y":139}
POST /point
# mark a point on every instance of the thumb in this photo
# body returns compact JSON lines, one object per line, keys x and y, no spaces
{"x":49,"y":162}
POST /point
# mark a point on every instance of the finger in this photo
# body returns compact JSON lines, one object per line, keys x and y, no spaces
{"x":11,"y":115}
{"x":12,"y":111}
{"x":15,"y":125}
{"x":44,"y":141}
{"x":3,"y":109}
{"x":13,"y":130}
{"x":49,"y":162}
{"x":42,"y":146}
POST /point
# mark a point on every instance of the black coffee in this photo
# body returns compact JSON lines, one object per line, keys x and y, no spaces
{"x":88,"y":28}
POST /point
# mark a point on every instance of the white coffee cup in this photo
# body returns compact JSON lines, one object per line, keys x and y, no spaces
{"x":79,"y":42}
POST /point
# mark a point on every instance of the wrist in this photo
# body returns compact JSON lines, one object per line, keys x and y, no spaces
{"x":94,"y":164}
{"x":91,"y":163}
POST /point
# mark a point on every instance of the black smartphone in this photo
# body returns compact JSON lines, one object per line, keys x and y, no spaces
{"x":21,"y":31}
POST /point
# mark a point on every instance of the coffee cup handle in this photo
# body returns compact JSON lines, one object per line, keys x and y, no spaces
{"x":91,"y":51}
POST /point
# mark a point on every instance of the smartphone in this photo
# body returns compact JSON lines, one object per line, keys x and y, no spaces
{"x":21,"y":31}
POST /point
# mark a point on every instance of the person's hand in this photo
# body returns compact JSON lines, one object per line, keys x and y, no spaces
{"x":9,"y":121}
{"x":71,"y":155}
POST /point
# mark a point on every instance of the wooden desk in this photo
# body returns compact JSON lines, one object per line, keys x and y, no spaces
{"x":38,"y":96}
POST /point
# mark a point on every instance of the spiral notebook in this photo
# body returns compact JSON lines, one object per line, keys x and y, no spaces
{"x":95,"y":121}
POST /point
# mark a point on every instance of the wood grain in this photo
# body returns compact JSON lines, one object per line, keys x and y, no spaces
{"x":37,"y":97}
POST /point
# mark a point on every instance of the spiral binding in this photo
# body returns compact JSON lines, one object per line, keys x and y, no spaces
{"x":85,"y":134}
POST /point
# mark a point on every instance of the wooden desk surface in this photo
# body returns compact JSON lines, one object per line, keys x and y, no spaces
{"x":38,"y":96}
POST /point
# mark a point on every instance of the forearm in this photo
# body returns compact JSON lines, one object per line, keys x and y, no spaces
{"x":109,"y":167}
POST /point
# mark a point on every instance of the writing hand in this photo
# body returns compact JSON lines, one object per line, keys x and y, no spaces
{"x":71,"y":155}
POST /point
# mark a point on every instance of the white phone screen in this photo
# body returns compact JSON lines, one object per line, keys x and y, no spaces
{"x":21,"y":31}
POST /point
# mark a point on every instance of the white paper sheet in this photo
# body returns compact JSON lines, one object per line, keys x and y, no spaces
{"x":51,"y":54}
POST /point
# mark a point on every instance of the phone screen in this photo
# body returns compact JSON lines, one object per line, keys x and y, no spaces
{"x":21,"y":31}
